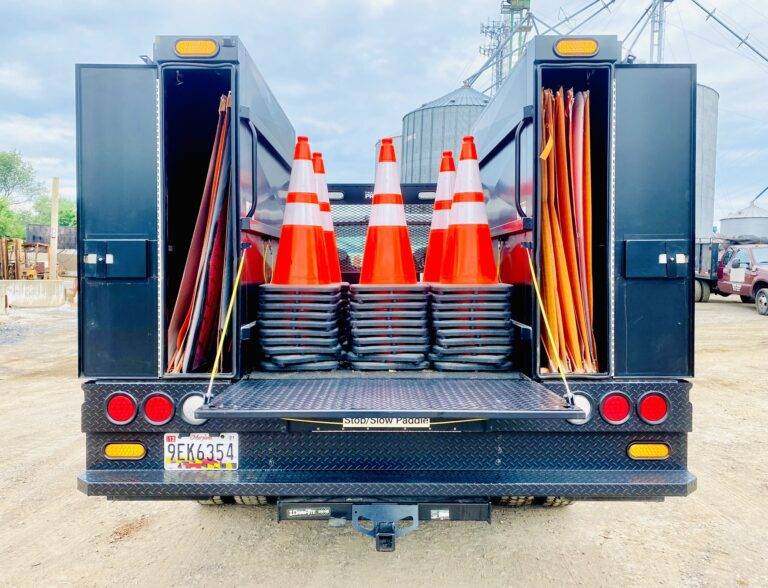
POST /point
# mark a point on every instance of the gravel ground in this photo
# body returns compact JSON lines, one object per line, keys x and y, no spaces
{"x":50,"y":534}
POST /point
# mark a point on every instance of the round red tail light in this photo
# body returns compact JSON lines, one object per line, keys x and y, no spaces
{"x":121,"y":408}
{"x":653,"y":408}
{"x":158,"y":409}
{"x":615,"y":408}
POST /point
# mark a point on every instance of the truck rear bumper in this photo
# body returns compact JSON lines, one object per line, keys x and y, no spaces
{"x":598,"y":484}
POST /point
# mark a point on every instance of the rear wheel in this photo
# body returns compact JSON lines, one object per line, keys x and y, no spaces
{"x":515,"y":501}
{"x":747,"y":299}
{"x":705,"y":291}
{"x":543,"y":501}
{"x":251,"y":500}
{"x":556,"y":501}
{"x":697,"y":291}
{"x":761,"y":301}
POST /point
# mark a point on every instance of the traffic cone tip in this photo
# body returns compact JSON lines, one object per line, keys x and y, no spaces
{"x":302,"y":150}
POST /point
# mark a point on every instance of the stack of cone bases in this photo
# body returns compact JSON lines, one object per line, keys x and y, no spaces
{"x":471,"y":312}
{"x":438,"y":230}
{"x":566,"y":232}
{"x":388,"y":309}
{"x":299,"y":312}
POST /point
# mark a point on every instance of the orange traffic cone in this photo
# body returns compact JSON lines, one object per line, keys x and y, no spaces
{"x":301,"y":258}
{"x":468,"y":257}
{"x":387,"y":257}
{"x":439,"y":229}
{"x":331,"y":250}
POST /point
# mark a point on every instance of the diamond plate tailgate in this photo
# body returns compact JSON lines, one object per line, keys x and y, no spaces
{"x":432,"y":395}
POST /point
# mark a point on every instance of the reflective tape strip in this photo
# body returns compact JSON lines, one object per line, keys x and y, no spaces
{"x":302,"y":177}
{"x":327,"y":220}
{"x":468,"y":177}
{"x":298,"y":197}
{"x":440,"y":219}
{"x":468,"y":213}
{"x":443,"y":204}
{"x":325,"y":206}
{"x":387,"y":215}
{"x":444,"y":188}
{"x":468,"y":197}
{"x":322,"y":188}
{"x":387,"y":198}
{"x":387,"y":178}
{"x":302,"y":213}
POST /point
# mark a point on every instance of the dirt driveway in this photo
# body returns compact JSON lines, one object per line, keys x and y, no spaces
{"x":50,"y":534}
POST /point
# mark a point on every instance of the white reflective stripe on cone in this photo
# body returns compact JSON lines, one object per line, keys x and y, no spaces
{"x":302,"y":177}
{"x":444,"y":189}
{"x":387,"y":215}
{"x":322,"y":188}
{"x":468,"y":213}
{"x":302,"y":213}
{"x":440,"y":219}
{"x":387,"y":178}
{"x":467,"y":177}
{"x":327,"y":221}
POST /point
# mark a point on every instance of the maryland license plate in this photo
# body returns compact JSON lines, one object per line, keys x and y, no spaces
{"x":200,"y":451}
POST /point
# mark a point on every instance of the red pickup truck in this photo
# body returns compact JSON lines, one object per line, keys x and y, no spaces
{"x":743,"y":270}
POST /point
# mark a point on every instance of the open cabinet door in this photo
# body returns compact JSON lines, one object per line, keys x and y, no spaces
{"x":654,"y":219}
{"x":117,"y":220}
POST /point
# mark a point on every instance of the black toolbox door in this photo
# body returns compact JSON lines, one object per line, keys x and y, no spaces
{"x":117,"y":220}
{"x":654,"y":219}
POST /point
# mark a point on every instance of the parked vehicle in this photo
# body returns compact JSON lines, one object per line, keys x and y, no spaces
{"x":741,"y":269}
{"x":383,"y":450}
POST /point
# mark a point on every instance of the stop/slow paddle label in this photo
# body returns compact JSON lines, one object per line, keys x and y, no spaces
{"x":386,"y":423}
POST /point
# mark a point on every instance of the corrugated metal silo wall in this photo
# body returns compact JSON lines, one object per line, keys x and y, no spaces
{"x":706,"y":151}
{"x":427,"y":132}
{"x":737,"y":227}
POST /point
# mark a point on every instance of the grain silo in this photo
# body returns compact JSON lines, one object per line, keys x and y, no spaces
{"x":706,"y":151}
{"x":436,"y":126}
{"x":747,"y":224}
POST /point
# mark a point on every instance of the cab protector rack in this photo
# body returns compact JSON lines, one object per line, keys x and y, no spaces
{"x":508,"y":396}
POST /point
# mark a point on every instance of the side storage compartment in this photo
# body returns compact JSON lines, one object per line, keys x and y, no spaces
{"x":654,"y":257}
{"x":117,"y":220}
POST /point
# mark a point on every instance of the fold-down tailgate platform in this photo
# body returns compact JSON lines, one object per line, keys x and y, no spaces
{"x":502,"y":397}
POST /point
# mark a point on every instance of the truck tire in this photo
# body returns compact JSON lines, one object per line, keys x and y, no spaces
{"x":251,"y":500}
{"x":761,"y":301}
{"x":747,"y":299}
{"x":697,"y":291}
{"x":706,"y":290}
{"x":216,"y":501}
{"x":556,"y":501}
{"x":515,"y":501}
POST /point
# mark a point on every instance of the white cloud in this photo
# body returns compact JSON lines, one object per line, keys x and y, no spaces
{"x":17,"y":80}
{"x":18,"y":131}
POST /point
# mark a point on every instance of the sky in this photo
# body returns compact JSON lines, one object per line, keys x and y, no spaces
{"x":346,"y":71}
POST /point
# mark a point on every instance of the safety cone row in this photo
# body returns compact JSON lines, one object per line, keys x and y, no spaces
{"x":300,"y":311}
{"x":388,"y":308}
{"x":470,"y":310}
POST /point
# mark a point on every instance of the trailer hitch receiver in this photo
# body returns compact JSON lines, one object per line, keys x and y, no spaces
{"x":385,"y":522}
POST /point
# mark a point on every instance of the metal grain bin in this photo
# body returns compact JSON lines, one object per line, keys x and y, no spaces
{"x":436,"y":126}
{"x":748,"y":223}
{"x":706,"y":151}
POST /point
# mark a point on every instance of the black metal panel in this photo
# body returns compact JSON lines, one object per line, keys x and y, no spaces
{"x":570,"y":483}
{"x":117,"y":201}
{"x":654,"y":151}
{"x":502,"y":397}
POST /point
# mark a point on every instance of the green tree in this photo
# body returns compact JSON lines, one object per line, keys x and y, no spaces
{"x":17,"y":179}
{"x":41,"y":212}
{"x":11,"y":222}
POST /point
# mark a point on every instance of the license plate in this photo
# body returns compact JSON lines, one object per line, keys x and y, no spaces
{"x":200,"y":451}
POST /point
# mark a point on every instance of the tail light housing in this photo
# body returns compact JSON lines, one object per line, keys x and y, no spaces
{"x":653,"y":408}
{"x":121,"y":408}
{"x":158,"y":408}
{"x":615,"y":408}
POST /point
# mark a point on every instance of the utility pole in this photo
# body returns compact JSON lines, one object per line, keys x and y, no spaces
{"x":53,"y":245}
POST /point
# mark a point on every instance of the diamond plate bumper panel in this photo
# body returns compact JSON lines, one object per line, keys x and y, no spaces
{"x":573,"y":484}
